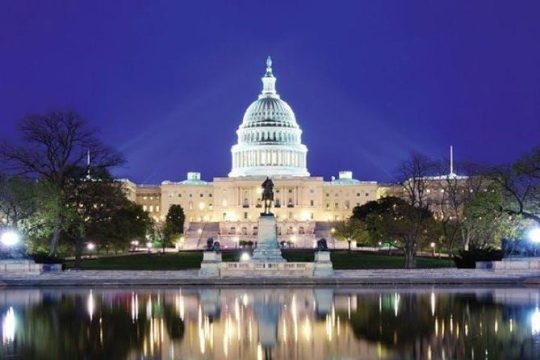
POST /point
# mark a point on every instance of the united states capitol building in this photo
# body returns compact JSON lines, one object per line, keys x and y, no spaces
{"x":227,"y":208}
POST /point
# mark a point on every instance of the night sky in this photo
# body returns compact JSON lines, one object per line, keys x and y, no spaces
{"x":167,"y":82}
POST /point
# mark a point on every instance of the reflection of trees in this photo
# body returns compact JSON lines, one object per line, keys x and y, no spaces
{"x":461,"y":324}
{"x":63,"y":329}
{"x":403,"y":330}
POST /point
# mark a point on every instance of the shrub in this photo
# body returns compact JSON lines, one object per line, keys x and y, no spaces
{"x":468,"y":259}
{"x":44,"y":258}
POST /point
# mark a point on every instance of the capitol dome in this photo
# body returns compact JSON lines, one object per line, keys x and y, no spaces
{"x":269,"y":138}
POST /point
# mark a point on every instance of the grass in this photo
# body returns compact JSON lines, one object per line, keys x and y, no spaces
{"x":341,"y":259}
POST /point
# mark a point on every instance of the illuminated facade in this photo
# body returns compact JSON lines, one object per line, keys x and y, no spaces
{"x":269,"y":144}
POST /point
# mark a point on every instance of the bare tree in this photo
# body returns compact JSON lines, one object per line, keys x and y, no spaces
{"x":54,"y":146}
{"x":415,"y":175}
{"x":520,"y":183}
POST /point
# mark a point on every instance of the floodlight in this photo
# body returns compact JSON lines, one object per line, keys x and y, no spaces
{"x":534,"y":234}
{"x":245,"y":256}
{"x":10,"y":238}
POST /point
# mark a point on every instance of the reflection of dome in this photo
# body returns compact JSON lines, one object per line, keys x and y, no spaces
{"x":269,"y":139}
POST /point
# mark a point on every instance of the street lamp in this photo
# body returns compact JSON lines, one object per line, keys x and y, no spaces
{"x":432,"y":248}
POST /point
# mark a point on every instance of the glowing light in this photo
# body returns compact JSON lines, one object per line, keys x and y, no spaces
{"x":149,"y":245}
{"x":307,"y":329}
{"x":245,"y":256}
{"x":90,"y":305}
{"x":199,"y":231}
{"x":91,"y":246}
{"x":432,"y":303}
{"x":9,"y":238}
{"x":9,"y":324}
{"x":135,"y":243}
{"x":535,"y":322}
{"x":432,"y":245}
{"x":534,"y":234}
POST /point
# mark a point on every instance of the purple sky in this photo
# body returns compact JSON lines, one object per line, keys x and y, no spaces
{"x":167,"y":82}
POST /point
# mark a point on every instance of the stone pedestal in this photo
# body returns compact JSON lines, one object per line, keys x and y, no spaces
{"x":210,"y":266}
{"x":323,"y":264}
{"x":267,"y":249}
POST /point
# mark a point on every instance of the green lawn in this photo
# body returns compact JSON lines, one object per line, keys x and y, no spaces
{"x":192,"y":259}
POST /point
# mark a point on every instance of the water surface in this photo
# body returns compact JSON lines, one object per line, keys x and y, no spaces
{"x":270,"y":323}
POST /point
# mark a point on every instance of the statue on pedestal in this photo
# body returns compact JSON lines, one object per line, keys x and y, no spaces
{"x":267,"y":196}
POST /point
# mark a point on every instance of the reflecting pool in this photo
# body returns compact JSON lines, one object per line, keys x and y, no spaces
{"x":270,"y":323}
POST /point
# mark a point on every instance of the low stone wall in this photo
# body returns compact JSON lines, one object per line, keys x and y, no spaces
{"x":266,"y":269}
{"x":510,"y":264}
{"x":20,"y":266}
{"x":213,"y":266}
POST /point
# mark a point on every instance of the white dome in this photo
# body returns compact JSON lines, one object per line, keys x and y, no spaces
{"x":269,"y":111}
{"x":269,"y":139}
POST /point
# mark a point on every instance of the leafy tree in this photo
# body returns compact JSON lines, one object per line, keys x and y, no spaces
{"x":53,"y":147}
{"x":395,"y":221}
{"x":351,"y":230}
{"x":174,"y":225}
{"x":100,"y":212}
{"x":17,"y":199}
{"x":484,"y":224}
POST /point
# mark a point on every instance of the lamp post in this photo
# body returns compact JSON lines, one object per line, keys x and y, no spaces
{"x":432,"y":248}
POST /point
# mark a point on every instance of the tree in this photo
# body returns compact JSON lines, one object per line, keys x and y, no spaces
{"x":415,"y":176}
{"x":100,"y":212}
{"x":17,"y":199}
{"x":351,"y":230}
{"x":54,"y":147}
{"x":174,"y":225}
{"x":520,"y":185}
{"x":395,"y":221}
{"x":484,"y":223}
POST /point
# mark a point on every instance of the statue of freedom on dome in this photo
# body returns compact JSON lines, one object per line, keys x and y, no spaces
{"x":267,"y":195}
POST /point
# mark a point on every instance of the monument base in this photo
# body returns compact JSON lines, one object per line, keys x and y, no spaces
{"x":265,"y":269}
{"x":211,"y":264}
{"x":323,"y":264}
{"x":267,"y":249}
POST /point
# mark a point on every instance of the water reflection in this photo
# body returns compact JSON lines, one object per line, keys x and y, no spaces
{"x":265,"y":323}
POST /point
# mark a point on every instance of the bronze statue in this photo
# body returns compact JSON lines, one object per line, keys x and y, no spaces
{"x":267,"y":195}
